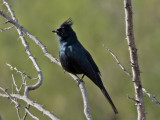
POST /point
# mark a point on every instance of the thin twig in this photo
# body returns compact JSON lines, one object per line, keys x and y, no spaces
{"x":43,"y":48}
{"x":137,"y":102}
{"x":18,"y":114}
{"x":22,"y":73}
{"x":5,"y":29}
{"x":22,"y":84}
{"x":15,"y":84}
{"x":16,"y":103}
{"x":25,"y":115}
{"x":118,"y":62}
{"x":151,"y":96}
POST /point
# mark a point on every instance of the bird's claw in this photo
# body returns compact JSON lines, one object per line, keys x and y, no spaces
{"x":79,"y":81}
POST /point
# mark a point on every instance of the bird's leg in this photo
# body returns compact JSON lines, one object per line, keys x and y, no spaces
{"x":81,"y":80}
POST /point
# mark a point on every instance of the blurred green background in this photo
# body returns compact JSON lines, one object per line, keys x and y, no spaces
{"x":95,"y":22}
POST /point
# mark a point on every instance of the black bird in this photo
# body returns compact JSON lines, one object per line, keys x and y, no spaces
{"x":76,"y":59}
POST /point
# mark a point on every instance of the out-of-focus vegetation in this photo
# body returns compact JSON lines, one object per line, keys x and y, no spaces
{"x":95,"y":22}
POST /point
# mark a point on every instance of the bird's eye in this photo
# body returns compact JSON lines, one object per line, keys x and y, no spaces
{"x":62,"y":30}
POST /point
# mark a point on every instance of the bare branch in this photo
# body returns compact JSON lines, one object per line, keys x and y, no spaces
{"x":40,"y":77}
{"x":18,"y":114}
{"x":152,"y":97}
{"x":53,"y":59}
{"x":25,"y":44}
{"x":16,"y":103}
{"x":129,"y":74}
{"x":43,"y":48}
{"x":25,"y":115}
{"x":10,"y":10}
{"x":84,"y":96}
{"x":32,"y":103}
{"x":4,"y":29}
{"x":21,"y":29}
{"x":15,"y":84}
{"x":85,"y":101}
{"x":137,"y":102}
{"x":22,"y":84}
{"x":134,"y":60}
{"x":22,"y":73}
{"x":118,"y":62}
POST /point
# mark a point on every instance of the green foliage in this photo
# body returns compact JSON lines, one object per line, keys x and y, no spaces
{"x":95,"y":22}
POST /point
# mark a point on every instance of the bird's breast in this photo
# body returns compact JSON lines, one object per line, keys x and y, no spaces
{"x":67,"y":62}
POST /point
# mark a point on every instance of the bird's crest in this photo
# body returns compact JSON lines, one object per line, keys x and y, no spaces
{"x":68,"y":22}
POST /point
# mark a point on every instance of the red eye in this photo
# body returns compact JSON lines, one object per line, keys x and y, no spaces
{"x":63,"y":30}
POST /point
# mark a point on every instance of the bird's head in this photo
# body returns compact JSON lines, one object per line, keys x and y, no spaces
{"x":65,"y":29}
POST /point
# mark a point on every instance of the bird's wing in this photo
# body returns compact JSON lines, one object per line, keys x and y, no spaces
{"x":90,"y":59}
{"x":82,"y":60}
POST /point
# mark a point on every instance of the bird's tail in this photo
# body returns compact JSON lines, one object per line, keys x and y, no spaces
{"x":105,"y":93}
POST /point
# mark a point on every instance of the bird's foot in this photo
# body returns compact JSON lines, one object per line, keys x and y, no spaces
{"x":79,"y":81}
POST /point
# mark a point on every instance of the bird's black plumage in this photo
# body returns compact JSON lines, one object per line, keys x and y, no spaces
{"x":76,"y":59}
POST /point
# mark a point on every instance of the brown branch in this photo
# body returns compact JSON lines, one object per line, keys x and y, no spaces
{"x":137,"y":102}
{"x":134,"y":60}
{"x":25,"y":115}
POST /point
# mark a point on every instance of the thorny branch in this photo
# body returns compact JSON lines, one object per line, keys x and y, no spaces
{"x":137,"y":102}
{"x":134,"y":60}
{"x":123,"y":68}
{"x":130,"y":75}
{"x":21,"y":30}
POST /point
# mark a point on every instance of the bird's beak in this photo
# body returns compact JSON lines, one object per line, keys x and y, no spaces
{"x":55,"y":31}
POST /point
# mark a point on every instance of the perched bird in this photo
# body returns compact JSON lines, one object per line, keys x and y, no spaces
{"x":76,"y":59}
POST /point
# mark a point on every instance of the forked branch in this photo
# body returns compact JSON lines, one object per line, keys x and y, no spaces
{"x":21,"y":30}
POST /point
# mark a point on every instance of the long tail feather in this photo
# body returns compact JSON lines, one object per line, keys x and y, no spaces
{"x":105,"y":93}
